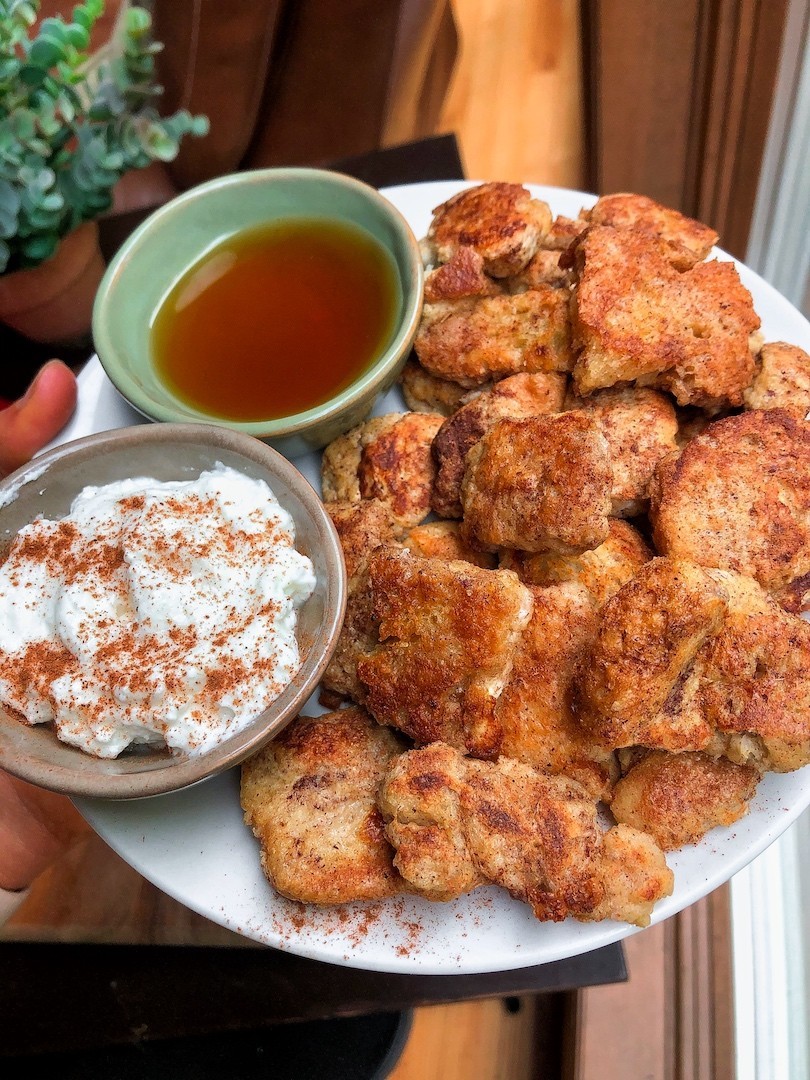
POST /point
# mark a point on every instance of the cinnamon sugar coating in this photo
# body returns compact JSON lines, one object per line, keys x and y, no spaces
{"x":738,"y":498}
{"x":678,"y":798}
{"x":447,"y":633}
{"x":638,"y":319}
{"x":539,"y":484}
{"x":386,"y":458}
{"x":309,"y":798}
{"x":516,"y":396}
{"x":457,"y":823}
{"x":501,"y":222}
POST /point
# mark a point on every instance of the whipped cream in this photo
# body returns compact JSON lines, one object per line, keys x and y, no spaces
{"x":158,"y":613}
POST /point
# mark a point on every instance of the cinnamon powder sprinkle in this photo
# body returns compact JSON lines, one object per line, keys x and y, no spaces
{"x":176,"y":615}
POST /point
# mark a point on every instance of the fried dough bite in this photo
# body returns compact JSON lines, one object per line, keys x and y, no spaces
{"x":419,"y":800}
{"x":473,"y":340}
{"x":500,"y":222}
{"x":361,"y":527}
{"x":691,"y":423}
{"x":543,"y":269}
{"x":538,"y":484}
{"x":634,"y":874}
{"x":426,"y":393}
{"x":534,"y":709}
{"x":688,"y":658}
{"x":457,"y":823}
{"x":310,"y":798}
{"x":564,"y":231}
{"x":678,"y":798}
{"x":754,"y":680}
{"x":641,"y":428}
{"x":738,"y":498}
{"x":443,"y":540}
{"x":649,"y":635}
{"x":516,"y":396}
{"x":782,"y":380}
{"x":461,"y":278}
{"x":386,"y":458}
{"x":638,"y":319}
{"x":601,"y":571}
{"x":687,"y":241}
{"x":448,"y":632}
{"x":358,"y":637}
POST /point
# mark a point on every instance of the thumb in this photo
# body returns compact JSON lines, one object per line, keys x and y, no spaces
{"x":38,"y":416}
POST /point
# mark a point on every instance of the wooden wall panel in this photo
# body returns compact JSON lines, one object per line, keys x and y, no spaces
{"x":679,"y":97}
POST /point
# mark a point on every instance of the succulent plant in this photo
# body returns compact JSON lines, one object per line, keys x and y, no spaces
{"x":72,"y":125}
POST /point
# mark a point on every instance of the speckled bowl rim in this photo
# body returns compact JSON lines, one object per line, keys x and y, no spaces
{"x":183,"y":771}
{"x":296,"y":423}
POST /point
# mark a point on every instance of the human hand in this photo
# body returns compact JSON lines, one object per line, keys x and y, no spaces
{"x":38,"y":416}
{"x":35,"y":825}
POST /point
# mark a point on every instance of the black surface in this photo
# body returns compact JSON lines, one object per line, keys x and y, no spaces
{"x":353,"y":1048}
{"x":437,"y":158}
{"x":70,"y":996}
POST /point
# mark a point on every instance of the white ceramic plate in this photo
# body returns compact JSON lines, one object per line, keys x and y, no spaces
{"x":194,"y":845}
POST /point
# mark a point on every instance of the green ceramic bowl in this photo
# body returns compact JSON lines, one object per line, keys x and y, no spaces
{"x":176,"y":236}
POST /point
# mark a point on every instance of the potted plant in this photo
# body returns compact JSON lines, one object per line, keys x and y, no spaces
{"x":71,"y":126}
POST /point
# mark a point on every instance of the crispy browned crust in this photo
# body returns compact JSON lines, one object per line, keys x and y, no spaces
{"x":602,"y":570}
{"x":782,"y":380}
{"x":650,"y":633}
{"x":543,"y":269}
{"x":687,"y":241}
{"x":448,"y":632}
{"x":535,"y":707}
{"x":688,"y":658}
{"x":357,"y":638}
{"x":362,"y":526}
{"x":457,"y":823}
{"x":641,"y":427}
{"x":563,"y":232}
{"x":754,"y":679}
{"x":638,"y":319}
{"x":738,"y":498}
{"x":538,"y":484}
{"x":691,"y":423}
{"x":428,"y":393}
{"x":460,"y":278}
{"x":635,"y":876}
{"x":500,"y":221}
{"x":310,"y":798}
{"x":386,"y":458}
{"x":419,"y":799}
{"x":678,"y":798}
{"x":516,"y":396}
{"x":474,"y":340}
{"x":443,"y":540}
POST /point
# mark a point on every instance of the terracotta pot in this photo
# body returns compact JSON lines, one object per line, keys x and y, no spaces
{"x":53,"y":302}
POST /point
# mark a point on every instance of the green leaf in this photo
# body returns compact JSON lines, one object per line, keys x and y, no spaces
{"x":5,"y":255}
{"x":46,"y":52}
{"x":40,"y":248}
{"x":138,"y":21}
{"x":78,"y":36}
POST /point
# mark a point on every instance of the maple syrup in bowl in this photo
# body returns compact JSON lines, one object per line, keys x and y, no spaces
{"x":279,"y":303}
{"x":277,"y":320}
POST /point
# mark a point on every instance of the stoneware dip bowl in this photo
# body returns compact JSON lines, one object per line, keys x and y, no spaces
{"x":47,"y":486}
{"x":178,"y":235}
